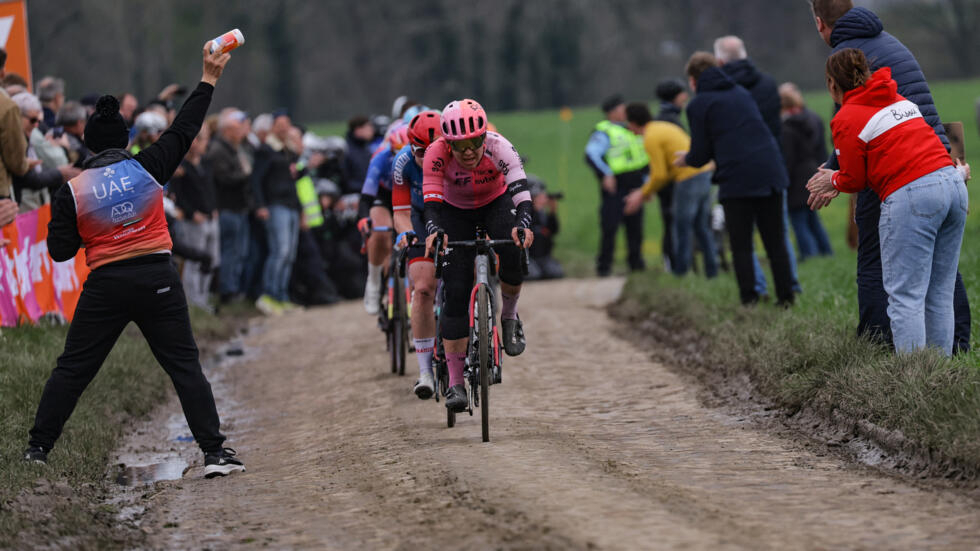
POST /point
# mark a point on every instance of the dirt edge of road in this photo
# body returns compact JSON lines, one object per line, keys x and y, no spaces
{"x":59,"y":515}
{"x":690,"y":354}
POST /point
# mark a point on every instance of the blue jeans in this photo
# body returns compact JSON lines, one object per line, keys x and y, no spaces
{"x":692,"y":215}
{"x":761,"y":287}
{"x":921,"y":230}
{"x":282,"y":232}
{"x":234,"y":250}
{"x":811,"y":237}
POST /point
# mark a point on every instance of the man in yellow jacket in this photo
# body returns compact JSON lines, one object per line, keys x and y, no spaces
{"x":692,"y":188}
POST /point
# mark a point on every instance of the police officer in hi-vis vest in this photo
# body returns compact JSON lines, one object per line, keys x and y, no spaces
{"x":114,"y":209}
{"x":620,"y":161}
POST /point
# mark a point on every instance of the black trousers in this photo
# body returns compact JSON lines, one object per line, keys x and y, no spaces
{"x":498,"y":220}
{"x":766,"y":213}
{"x":666,"y":199}
{"x":148,"y":292}
{"x":873,"y":321}
{"x":611,"y":216}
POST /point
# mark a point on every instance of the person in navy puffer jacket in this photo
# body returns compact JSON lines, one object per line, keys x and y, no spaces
{"x":726,"y":127}
{"x":841,"y":25}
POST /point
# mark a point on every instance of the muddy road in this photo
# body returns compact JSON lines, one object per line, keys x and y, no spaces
{"x":593,"y":447}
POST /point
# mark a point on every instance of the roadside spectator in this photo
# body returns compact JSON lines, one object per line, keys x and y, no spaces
{"x":360,"y":134}
{"x":15,"y":80}
{"x":8,"y":212}
{"x":309,"y":283}
{"x":148,"y":127}
{"x":192,"y":187}
{"x":841,"y":25}
{"x":734,"y":61}
{"x":51,"y":92}
{"x":726,"y":127}
{"x":921,"y":228}
{"x":233,"y":197}
{"x":673,"y":97}
{"x":617,"y":157}
{"x":71,"y":117}
{"x":13,"y":144}
{"x":692,"y":193}
{"x":37,"y":178}
{"x":804,"y":149}
{"x":128,"y":104}
{"x":274,"y":189}
{"x":542,"y":265}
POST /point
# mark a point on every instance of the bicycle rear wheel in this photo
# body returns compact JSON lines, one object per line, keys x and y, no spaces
{"x":483,"y":336}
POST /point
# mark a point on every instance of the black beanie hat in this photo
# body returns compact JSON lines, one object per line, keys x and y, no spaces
{"x":106,"y":128}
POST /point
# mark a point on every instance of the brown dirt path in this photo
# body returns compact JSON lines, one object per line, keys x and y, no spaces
{"x":593,"y":447}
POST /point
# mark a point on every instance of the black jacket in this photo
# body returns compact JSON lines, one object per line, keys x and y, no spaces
{"x":860,"y":28}
{"x":233,"y":190}
{"x":356,"y":164}
{"x":763,"y":89}
{"x":160,"y":159}
{"x":726,"y":127}
{"x":272,"y":181}
{"x":804,"y":149}
{"x":193,"y":191}
{"x":670,"y":113}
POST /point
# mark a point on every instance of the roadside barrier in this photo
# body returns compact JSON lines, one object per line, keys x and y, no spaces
{"x":32,"y":284}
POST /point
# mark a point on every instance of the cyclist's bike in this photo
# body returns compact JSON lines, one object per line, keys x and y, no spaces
{"x":483,"y":357}
{"x":393,"y":308}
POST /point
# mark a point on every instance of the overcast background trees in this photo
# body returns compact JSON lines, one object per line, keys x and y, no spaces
{"x":330,"y":58}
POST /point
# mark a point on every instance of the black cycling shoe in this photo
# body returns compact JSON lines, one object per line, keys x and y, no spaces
{"x":514,"y":341}
{"x":36,"y":454}
{"x":456,"y":399}
{"x":222,"y":463}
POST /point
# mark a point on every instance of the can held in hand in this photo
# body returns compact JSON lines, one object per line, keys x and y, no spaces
{"x":228,"y":41}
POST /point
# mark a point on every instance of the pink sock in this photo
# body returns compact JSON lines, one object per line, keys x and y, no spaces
{"x":456,"y":364}
{"x":509,"y":306}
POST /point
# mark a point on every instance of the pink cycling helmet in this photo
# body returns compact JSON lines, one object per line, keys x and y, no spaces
{"x":463,"y":119}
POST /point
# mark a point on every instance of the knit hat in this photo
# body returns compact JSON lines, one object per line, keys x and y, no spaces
{"x":106,"y":128}
{"x":668,"y":90}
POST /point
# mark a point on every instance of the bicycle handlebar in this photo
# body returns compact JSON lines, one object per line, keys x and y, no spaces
{"x":489,"y":243}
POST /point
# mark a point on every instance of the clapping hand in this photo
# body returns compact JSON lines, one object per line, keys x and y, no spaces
{"x":821,"y":188}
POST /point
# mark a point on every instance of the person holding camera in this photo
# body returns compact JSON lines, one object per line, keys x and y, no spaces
{"x":115,"y":209}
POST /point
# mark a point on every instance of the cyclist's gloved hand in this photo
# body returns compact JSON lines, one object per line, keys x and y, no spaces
{"x":364,"y":226}
{"x":405,"y":239}
{"x":430,"y":243}
{"x":528,"y":237}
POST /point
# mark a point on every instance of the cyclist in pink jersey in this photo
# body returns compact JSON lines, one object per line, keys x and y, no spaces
{"x":474,"y":178}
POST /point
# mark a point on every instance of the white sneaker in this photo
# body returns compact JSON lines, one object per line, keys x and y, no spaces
{"x":372,"y":295}
{"x":424,"y":387}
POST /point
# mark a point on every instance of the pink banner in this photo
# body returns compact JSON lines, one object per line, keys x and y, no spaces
{"x":32,"y":284}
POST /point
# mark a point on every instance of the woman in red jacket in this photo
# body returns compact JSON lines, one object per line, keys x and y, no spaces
{"x":883,"y":143}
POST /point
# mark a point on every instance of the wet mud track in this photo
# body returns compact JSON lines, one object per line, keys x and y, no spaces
{"x":593,"y":446}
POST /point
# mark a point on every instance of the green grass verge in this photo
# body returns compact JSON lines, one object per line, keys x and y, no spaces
{"x":129,"y":385}
{"x":809,"y":357}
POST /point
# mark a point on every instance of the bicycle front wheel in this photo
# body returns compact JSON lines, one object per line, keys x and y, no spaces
{"x":483,"y":336}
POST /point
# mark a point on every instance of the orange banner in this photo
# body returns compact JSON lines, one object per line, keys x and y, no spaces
{"x":32,"y":284}
{"x":14,"y":39}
